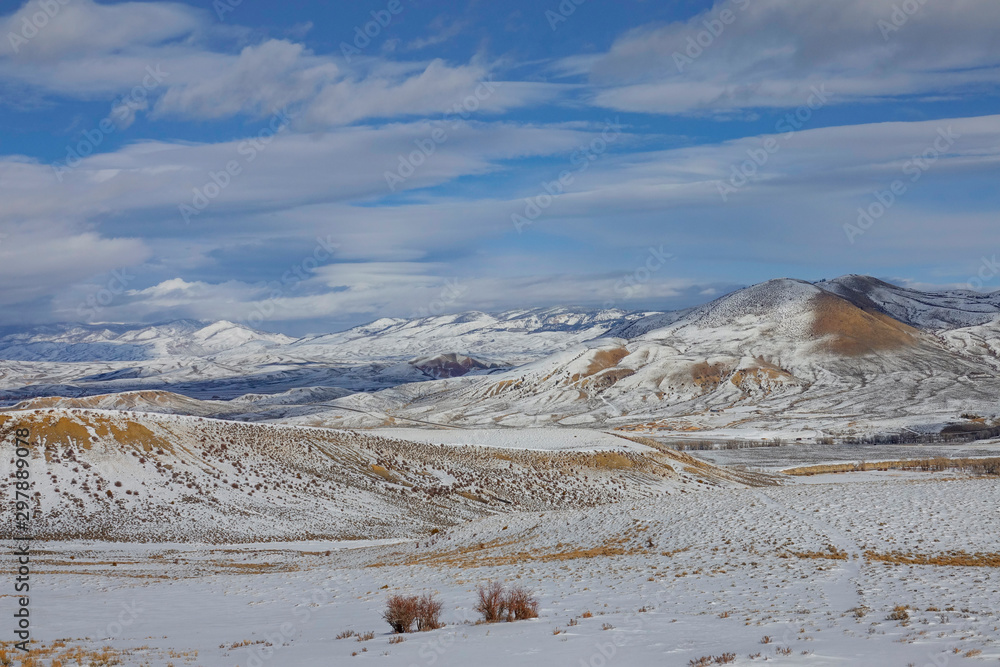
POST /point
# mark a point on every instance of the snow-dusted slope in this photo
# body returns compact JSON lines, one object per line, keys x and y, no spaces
{"x":143,"y":477}
{"x":785,"y":354}
{"x":929,"y":310}
{"x":508,"y":338}
{"x":226,"y":360}
{"x":850,"y":355}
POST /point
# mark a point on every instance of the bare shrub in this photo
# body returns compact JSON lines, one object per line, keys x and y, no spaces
{"x":428,"y":613}
{"x":401,"y":611}
{"x":491,"y":601}
{"x":899,"y":613}
{"x":520,"y":605}
{"x":497,"y":604}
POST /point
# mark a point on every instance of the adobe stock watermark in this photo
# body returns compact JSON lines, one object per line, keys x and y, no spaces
{"x":218,"y":181}
{"x":562,"y":13}
{"x":698,"y":43}
{"x":462,"y":110}
{"x":988,"y":270}
{"x":95,"y":303}
{"x":258,"y":655}
{"x":32,"y":25}
{"x":914,"y":169}
{"x":223,"y":7}
{"x":291,"y":279}
{"x":122,"y":109}
{"x":899,"y":17}
{"x":581,"y":159}
{"x":741,"y":174}
{"x":126,"y":617}
{"x":630,"y":283}
{"x":365,"y":33}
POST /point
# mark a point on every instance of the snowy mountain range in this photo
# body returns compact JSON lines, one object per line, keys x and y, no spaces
{"x":849,"y":355}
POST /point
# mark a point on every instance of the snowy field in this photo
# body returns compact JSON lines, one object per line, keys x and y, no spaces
{"x":549,"y":439}
{"x":803,"y":574}
{"x":778,"y":458}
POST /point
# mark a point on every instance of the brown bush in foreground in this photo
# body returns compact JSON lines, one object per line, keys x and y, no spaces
{"x":520,"y":605}
{"x":428,"y":613}
{"x":498,"y":604}
{"x":401,"y":612}
{"x":491,"y":599}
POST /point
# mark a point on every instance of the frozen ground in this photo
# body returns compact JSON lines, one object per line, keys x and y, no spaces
{"x":816,"y":567}
{"x":777,"y":458}
{"x":550,"y":439}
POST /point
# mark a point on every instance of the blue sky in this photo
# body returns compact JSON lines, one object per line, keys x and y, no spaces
{"x":263,"y":163}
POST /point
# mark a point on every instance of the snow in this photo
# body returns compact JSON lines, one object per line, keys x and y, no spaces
{"x":551,"y":439}
{"x":723,"y":587}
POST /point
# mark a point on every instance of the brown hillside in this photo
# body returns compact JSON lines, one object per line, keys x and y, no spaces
{"x":853,"y":332}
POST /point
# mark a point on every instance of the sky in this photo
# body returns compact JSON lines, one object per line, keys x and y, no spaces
{"x":306,"y":166}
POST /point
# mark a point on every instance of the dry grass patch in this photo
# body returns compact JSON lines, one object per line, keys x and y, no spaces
{"x":831,"y":553}
{"x":946,"y":559}
{"x":853,"y":332}
{"x":604,"y":359}
{"x":980,"y":466}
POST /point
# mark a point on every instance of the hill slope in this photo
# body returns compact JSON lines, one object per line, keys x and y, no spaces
{"x":141,"y":477}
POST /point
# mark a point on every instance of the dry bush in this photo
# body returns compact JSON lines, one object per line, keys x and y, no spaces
{"x":899,"y":613}
{"x":783,"y":650}
{"x":703,"y":661}
{"x":725,"y":658}
{"x":766,"y":639}
{"x":491,"y":601}
{"x":401,"y":612}
{"x":368,"y":636}
{"x":398,"y":639}
{"x":428,"y":613}
{"x":497,"y":604}
{"x":520,"y":605}
{"x":345,"y":634}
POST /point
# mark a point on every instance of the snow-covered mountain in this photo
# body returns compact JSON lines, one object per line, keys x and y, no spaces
{"x":785,"y":354}
{"x":226,"y":360}
{"x":930,"y":310}
{"x":850,"y":355}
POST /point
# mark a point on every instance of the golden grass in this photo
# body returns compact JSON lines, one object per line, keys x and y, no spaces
{"x":946,"y":559}
{"x":707,"y":376}
{"x":854,"y":332}
{"x":831,"y":553}
{"x":986,"y":466}
{"x":604,"y":359}
{"x":484,"y":554}
{"x":384,"y":474}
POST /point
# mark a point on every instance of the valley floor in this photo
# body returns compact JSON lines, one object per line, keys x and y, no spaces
{"x":802,"y":574}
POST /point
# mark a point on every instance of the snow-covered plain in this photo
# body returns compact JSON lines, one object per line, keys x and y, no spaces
{"x":692,"y":576}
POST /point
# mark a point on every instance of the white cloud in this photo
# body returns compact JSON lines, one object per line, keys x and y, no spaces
{"x":83,"y":28}
{"x":769,"y":53}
